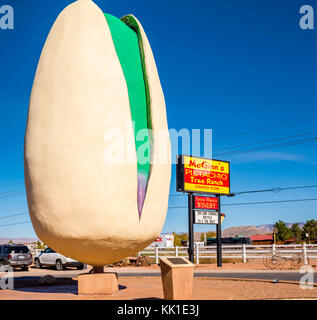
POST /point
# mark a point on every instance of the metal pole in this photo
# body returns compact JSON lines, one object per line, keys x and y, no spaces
{"x":219,"y":251}
{"x":190,"y":228}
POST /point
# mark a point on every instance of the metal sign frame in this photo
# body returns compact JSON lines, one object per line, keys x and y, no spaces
{"x":180,"y":176}
{"x":180,"y":183}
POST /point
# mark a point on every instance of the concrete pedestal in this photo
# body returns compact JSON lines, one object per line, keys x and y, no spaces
{"x":98,"y":283}
{"x":177,"y":278}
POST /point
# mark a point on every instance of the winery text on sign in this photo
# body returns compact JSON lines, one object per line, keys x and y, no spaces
{"x":203,"y":175}
{"x":206,"y":203}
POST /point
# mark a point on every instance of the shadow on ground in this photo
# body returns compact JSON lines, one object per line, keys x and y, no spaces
{"x":62,"y":285}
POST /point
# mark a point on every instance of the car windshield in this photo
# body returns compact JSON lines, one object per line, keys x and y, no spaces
{"x":18,"y":249}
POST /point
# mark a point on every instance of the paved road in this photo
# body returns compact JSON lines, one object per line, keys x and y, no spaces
{"x":265,"y":275}
{"x":281,"y":276}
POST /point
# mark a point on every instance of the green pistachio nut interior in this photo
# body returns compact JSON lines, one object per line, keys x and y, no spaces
{"x":128,"y":45}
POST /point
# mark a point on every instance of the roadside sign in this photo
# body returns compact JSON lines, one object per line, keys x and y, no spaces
{"x":206,"y":217}
{"x":201,"y":175}
{"x":202,"y":202}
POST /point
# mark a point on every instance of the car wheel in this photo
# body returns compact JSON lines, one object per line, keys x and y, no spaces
{"x":81,"y":267}
{"x":25,"y":269}
{"x":37,"y":263}
{"x":59,"y":265}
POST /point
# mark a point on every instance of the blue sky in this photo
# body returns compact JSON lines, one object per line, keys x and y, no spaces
{"x":243,"y":68}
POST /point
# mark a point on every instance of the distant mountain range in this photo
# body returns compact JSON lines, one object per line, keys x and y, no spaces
{"x":248,"y":231}
{"x":18,"y":240}
{"x":245,"y":231}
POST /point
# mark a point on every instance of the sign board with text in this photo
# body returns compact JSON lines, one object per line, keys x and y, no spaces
{"x":200,"y":175}
{"x":207,"y":203}
{"x":206,"y":217}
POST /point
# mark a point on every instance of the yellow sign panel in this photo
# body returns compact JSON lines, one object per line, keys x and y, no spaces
{"x":206,"y":175}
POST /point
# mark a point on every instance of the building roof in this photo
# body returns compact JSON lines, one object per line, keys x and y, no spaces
{"x":261,"y":237}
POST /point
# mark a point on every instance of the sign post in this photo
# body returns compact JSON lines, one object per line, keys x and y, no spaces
{"x":218,"y":229}
{"x":190,"y":228}
{"x":203,"y":176}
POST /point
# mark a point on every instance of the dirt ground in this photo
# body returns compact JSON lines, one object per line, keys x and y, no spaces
{"x":252,"y":265}
{"x":151,"y":288}
{"x":146,"y":287}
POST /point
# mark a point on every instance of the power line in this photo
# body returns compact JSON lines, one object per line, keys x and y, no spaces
{"x":276,"y":189}
{"x":11,"y":191}
{"x":280,"y":125}
{"x":296,"y":142}
{"x":260,"y":202}
{"x":13,"y":224}
{"x":11,"y":195}
{"x":266,"y":141}
{"x":263,"y":202}
{"x":14,"y":215}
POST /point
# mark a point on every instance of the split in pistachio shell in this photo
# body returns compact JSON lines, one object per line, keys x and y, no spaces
{"x":129,"y":48}
{"x":96,"y":73}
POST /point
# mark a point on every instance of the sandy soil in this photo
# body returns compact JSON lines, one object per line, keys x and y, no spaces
{"x":238,"y":266}
{"x":151,"y":288}
{"x":253,"y":265}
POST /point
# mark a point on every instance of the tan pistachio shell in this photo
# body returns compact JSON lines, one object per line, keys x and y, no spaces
{"x":80,"y":205}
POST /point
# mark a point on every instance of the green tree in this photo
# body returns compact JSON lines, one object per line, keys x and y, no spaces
{"x":283,"y":233}
{"x":40,"y":245}
{"x":296,"y":231}
{"x":178,"y":237}
{"x":310,"y":227}
{"x":210,"y":234}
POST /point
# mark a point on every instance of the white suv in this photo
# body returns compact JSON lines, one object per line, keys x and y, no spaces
{"x":49,"y":257}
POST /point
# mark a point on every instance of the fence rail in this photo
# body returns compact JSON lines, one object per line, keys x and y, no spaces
{"x":243,"y":252}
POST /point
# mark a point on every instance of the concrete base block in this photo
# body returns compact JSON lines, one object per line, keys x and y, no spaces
{"x":98,"y":283}
{"x":177,"y":280}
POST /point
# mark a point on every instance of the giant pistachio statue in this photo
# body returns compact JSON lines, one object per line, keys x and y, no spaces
{"x":96,"y":88}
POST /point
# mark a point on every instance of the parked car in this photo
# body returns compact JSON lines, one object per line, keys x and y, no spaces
{"x":16,"y":256}
{"x":49,"y":257}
